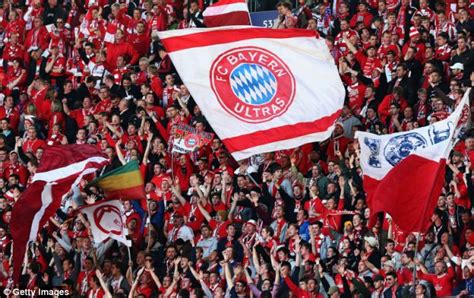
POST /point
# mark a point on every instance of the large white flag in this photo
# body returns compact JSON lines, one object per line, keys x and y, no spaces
{"x":107,"y":221}
{"x":260,"y":89}
{"x":404,"y":172}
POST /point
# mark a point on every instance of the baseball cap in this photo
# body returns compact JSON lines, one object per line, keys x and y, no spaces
{"x":458,"y":66}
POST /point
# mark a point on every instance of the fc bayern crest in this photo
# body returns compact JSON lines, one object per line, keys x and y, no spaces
{"x":252,"y":84}
{"x":191,"y":141}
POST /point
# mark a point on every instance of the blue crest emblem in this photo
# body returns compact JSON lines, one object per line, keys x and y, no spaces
{"x":401,"y":146}
{"x":438,"y":136}
{"x":374,"y":147}
{"x":253,"y":83}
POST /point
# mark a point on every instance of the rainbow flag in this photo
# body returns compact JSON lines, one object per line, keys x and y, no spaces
{"x":125,"y":183}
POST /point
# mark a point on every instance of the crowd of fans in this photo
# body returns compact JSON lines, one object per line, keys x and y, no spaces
{"x":289,"y":223}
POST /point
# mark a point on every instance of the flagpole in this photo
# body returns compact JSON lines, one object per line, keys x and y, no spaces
{"x":416,"y":252}
{"x":250,"y":19}
{"x":128,"y":247}
{"x":149,"y":225}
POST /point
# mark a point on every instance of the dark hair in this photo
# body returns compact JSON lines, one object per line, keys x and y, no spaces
{"x":392,"y":274}
{"x":287,"y":5}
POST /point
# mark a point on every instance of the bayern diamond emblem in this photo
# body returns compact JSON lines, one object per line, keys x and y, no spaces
{"x":252,"y":84}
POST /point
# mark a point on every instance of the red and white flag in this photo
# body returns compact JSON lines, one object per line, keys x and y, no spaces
{"x":107,"y":221}
{"x":61,"y":168}
{"x":110,"y":33}
{"x":260,"y":89}
{"x":227,"y":13}
{"x":404,"y":172}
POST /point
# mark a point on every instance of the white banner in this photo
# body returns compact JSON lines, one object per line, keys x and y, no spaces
{"x":107,"y":220}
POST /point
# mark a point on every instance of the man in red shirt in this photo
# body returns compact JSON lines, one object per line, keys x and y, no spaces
{"x":79,"y":115}
{"x":121,"y":48}
{"x":140,"y":40}
{"x":32,"y":143}
{"x":442,"y":280}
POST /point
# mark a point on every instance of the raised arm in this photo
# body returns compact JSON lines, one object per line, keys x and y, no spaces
{"x":100,"y":277}
{"x":113,"y":130}
{"x":118,"y":150}
{"x":204,"y":212}
{"x":177,"y":192}
{"x":148,"y":148}
{"x":349,"y":44}
{"x":228,"y":276}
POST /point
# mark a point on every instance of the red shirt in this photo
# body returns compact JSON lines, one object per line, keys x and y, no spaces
{"x":443,"y":284}
{"x":219,"y":228}
{"x":118,"y":73}
{"x":141,"y":43}
{"x":103,"y":106}
{"x":79,"y":115}
{"x":33,"y":145}
{"x":12,"y":51}
{"x":121,"y":49}
{"x":60,"y":63}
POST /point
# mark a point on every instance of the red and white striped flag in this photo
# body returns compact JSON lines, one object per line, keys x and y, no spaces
{"x":227,"y":13}
{"x":260,"y":89}
{"x":61,"y":168}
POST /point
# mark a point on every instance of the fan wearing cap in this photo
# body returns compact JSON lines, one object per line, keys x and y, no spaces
{"x":249,"y":237}
{"x":457,"y":70}
{"x":371,"y":248}
{"x":338,"y":143}
{"x":415,"y":41}
{"x":388,"y":267}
